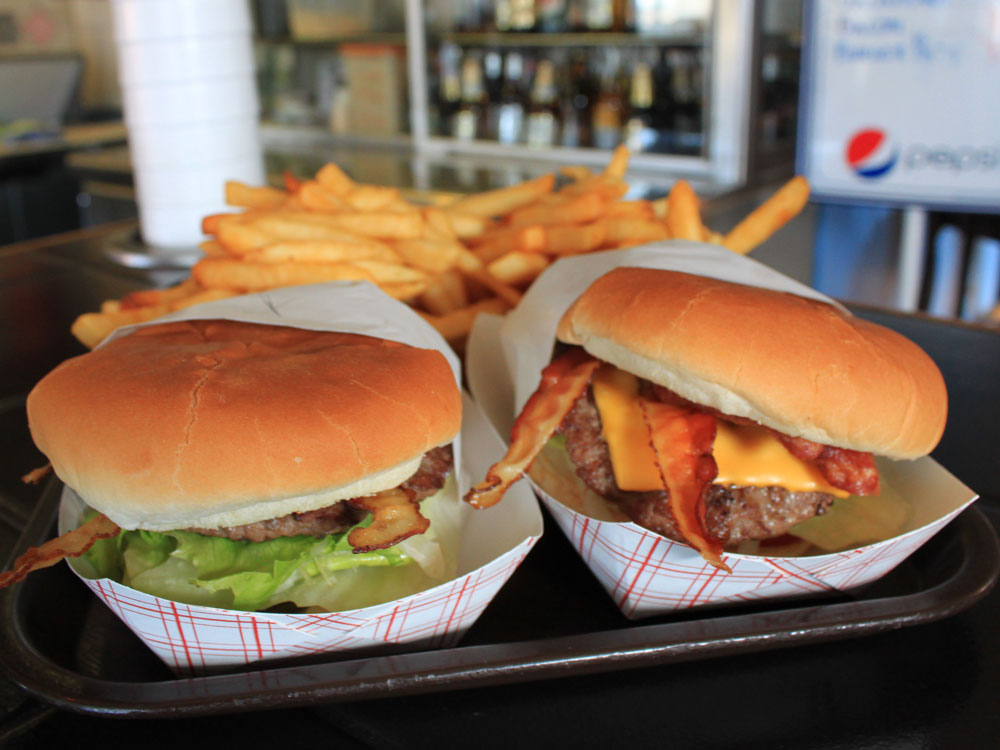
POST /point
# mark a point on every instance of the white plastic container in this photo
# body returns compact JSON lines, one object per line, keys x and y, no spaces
{"x":184,"y":58}
{"x":186,"y":184}
{"x":194,"y":144}
{"x":136,"y":20}
{"x":186,"y":102}
{"x":171,"y":227}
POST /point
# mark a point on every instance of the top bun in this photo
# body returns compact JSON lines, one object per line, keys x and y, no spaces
{"x":211,"y":423}
{"x":797,"y":365}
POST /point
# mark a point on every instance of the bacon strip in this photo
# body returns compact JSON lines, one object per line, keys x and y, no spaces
{"x":395,"y":517}
{"x":563,"y":382}
{"x":849,"y":470}
{"x":71,"y":544}
{"x":853,"y":471}
{"x":682,"y":440}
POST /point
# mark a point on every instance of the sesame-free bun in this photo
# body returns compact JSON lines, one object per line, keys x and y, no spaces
{"x":222,"y":423}
{"x":799,"y":366}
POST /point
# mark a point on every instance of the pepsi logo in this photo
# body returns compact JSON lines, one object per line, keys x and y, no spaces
{"x":870,"y":153}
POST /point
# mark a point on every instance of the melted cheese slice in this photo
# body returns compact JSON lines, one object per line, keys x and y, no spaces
{"x":747,"y":455}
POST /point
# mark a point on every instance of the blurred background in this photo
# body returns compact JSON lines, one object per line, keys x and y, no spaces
{"x":454,"y":96}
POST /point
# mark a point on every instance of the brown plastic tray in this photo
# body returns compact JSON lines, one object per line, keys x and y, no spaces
{"x":551,"y":620}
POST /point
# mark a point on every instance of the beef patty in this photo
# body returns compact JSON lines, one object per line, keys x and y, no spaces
{"x":339,"y":517}
{"x":732,"y":513}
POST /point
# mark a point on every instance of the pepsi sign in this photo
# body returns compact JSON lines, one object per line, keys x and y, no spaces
{"x":870,"y":153}
{"x":899,"y":103}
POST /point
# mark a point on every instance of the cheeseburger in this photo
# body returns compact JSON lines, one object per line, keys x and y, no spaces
{"x":247,"y":466}
{"x":715,"y":413}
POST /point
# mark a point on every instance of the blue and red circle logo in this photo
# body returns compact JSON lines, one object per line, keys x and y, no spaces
{"x":870,"y":153}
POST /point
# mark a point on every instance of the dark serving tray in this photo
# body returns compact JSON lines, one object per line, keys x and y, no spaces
{"x":552,"y":619}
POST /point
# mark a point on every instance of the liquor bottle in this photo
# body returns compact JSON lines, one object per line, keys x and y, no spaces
{"x":598,"y":15}
{"x":543,"y":108}
{"x":663,"y":104}
{"x":470,"y":120}
{"x":510,"y":112}
{"x":449,"y":88}
{"x":578,"y":91}
{"x":522,"y":15}
{"x":550,"y":16}
{"x":640,"y":134}
{"x":493,"y":74}
{"x":607,"y":112}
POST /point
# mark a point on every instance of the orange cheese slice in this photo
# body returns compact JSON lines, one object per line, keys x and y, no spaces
{"x":747,"y":455}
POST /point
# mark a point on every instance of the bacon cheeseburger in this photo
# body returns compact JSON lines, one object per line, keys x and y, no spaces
{"x":250,"y":465}
{"x":713,"y":413}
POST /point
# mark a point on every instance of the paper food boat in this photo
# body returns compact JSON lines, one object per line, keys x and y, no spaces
{"x":644,"y":573}
{"x":194,"y":639}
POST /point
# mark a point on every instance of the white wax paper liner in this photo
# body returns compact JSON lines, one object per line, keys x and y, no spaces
{"x":196,"y":639}
{"x":644,"y":573}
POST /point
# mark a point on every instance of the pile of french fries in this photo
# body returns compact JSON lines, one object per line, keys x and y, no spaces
{"x":450,"y":262}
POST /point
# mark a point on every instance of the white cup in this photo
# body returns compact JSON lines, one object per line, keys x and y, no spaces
{"x":179,"y":59}
{"x":193,"y":144}
{"x":136,"y":20}
{"x":202,"y":185}
{"x":187,"y":102}
{"x":172,"y":226}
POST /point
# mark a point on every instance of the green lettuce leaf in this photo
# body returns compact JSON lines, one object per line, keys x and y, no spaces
{"x":304,"y":571}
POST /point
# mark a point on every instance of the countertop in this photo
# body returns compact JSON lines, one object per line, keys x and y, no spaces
{"x":927,"y":686}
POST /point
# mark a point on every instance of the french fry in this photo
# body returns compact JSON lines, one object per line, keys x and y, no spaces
{"x":466,"y":225}
{"x":575,"y":238}
{"x":321,"y":251}
{"x":334,"y":179}
{"x":503,"y":200}
{"x":289,"y":225}
{"x":577,"y":210}
{"x":445,"y":293}
{"x":576,"y":172}
{"x":111,"y":306}
{"x":91,"y":329}
{"x":406,"y":291}
{"x":659,"y":207}
{"x":391,"y":273}
{"x":231,"y":273}
{"x":315,"y":197}
{"x":619,"y":163}
{"x":769,"y":216}
{"x":386,"y":225}
{"x":210,"y":223}
{"x":249,"y":196}
{"x":605,"y":188}
{"x":205,"y":295}
{"x":527,"y":239}
{"x":455,"y":325}
{"x":683,"y":216}
{"x":372,"y":197}
{"x":239,"y":237}
{"x":633,"y":231}
{"x":213,"y":249}
{"x":715,"y":238}
{"x":433,"y":256}
{"x":517,"y":267}
{"x":630,"y":209}
{"x":475,"y":269}
{"x":152,"y":297}
{"x":291,"y":182}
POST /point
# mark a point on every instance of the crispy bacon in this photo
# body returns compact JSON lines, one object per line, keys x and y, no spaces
{"x":395,"y":517}
{"x":563,"y":381}
{"x":849,"y":470}
{"x":71,"y":544}
{"x":682,"y":440}
{"x":36,"y":475}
